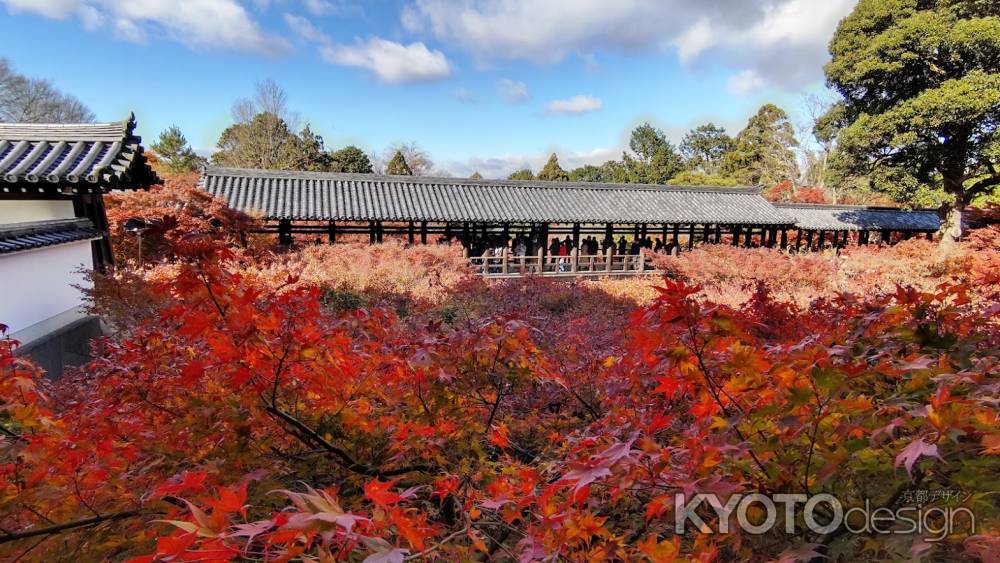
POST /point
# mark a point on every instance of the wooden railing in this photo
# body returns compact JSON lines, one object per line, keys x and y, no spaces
{"x":509,"y":265}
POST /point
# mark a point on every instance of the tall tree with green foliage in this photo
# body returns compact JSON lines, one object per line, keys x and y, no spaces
{"x":173,"y":149}
{"x":704,"y":146}
{"x":762,"y":153}
{"x":522,"y":174}
{"x":264,"y":142}
{"x":656,"y":159}
{"x":313,"y":155}
{"x":920,"y":81}
{"x":552,"y":171}
{"x":397,"y":166}
{"x":351,"y":159}
{"x":262,"y":136}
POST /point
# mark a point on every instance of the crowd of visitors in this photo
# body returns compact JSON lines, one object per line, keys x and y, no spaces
{"x":528,"y":244}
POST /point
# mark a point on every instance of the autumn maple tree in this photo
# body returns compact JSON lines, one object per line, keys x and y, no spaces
{"x":240,"y":418}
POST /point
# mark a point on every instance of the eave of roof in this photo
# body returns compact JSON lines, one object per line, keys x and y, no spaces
{"x":72,"y":158}
{"x":857,"y":218}
{"x":314,"y":196}
{"x":18,"y":237}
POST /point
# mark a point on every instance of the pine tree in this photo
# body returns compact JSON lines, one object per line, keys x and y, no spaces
{"x":522,"y":174}
{"x":397,"y":166}
{"x":351,"y":159}
{"x":552,"y":171}
{"x":172,"y":147}
{"x":762,"y":153}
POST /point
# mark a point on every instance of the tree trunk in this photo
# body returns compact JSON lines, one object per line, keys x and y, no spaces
{"x":951,"y":223}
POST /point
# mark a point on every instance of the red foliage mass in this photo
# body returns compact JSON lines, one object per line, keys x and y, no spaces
{"x":244,"y":418}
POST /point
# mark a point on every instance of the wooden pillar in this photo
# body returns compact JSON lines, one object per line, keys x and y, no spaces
{"x":809,"y":240}
{"x":466,"y":240}
{"x":706,"y":233}
{"x":886,"y":236}
{"x":331,"y":231}
{"x":643,"y":232}
{"x":635,"y":231}
{"x":543,"y":232}
{"x":371,"y":232}
{"x":609,"y":258}
{"x":930,"y":235}
{"x":822,"y":239}
{"x":676,"y":235}
{"x":784,"y":238}
{"x":423,"y":232}
{"x":907,"y":235}
{"x":736,"y":235}
{"x":749,"y":237}
{"x":691,"y":236}
{"x":574,"y":259}
{"x":576,"y":235}
{"x":863,"y":237}
{"x":609,"y":232}
{"x":285,"y":232}
{"x":379,"y":232}
{"x":798,"y":239}
{"x":410,"y":232}
{"x":505,"y":256}
{"x":771,"y":234}
{"x":718,"y":233}
{"x":91,"y":206}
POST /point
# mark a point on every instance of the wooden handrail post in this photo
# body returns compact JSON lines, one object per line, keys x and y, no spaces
{"x":574,"y":257}
{"x":503,"y":263}
{"x":610,"y":258}
{"x":541,"y":260}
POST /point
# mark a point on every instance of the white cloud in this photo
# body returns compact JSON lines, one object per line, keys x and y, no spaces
{"x":745,"y":82}
{"x":306,"y":30}
{"x":198,"y":24}
{"x":513,"y":91}
{"x":742,"y":33}
{"x":391,"y":62}
{"x":319,"y":7}
{"x":577,"y":105}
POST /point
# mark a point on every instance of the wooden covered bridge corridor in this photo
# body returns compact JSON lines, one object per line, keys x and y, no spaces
{"x":510,"y":228}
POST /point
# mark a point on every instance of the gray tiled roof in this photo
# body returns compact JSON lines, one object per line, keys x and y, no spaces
{"x":857,"y":218}
{"x":83,"y":157}
{"x":313,"y":196}
{"x":26,"y":236}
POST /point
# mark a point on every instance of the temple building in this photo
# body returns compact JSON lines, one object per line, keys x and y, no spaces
{"x":53,"y":226}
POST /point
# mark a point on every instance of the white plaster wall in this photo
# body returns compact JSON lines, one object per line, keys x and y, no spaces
{"x":25,"y":210}
{"x":38,"y":284}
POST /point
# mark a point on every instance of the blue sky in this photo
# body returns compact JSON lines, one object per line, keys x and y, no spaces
{"x":486,"y":85}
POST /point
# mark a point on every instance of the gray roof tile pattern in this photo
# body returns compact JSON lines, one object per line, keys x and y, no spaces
{"x":857,"y":218}
{"x":17,"y":237}
{"x":76,"y":157}
{"x":313,"y":196}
